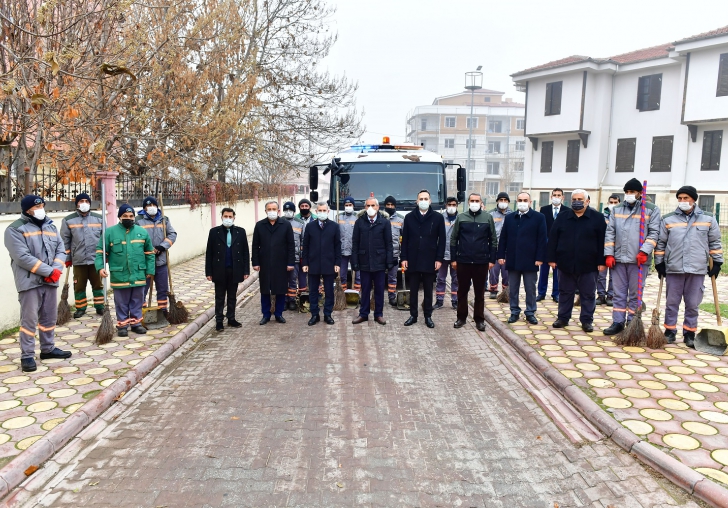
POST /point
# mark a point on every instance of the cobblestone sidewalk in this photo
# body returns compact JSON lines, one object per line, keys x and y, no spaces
{"x":33,"y":403}
{"x":675,"y":398}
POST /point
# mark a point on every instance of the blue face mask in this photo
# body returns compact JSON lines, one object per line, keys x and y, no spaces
{"x":577,"y":205}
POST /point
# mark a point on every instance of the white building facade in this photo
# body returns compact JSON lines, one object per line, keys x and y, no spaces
{"x":656,"y":114}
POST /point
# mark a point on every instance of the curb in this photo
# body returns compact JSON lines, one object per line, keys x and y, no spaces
{"x":13,"y":474}
{"x":678,"y":473}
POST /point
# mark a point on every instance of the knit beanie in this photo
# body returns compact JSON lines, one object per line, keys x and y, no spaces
{"x":150,"y":200}
{"x":503,"y":195}
{"x":633,"y":185}
{"x":306,"y":201}
{"x":123,"y":209}
{"x":81,"y":196}
{"x":30,"y":201}
{"x":390,"y":199}
{"x":289,"y":205}
{"x":689,"y":190}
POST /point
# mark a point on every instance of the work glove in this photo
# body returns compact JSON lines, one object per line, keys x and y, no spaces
{"x":661,"y":270}
{"x":53,"y":277}
{"x":160,"y":248}
{"x":713,"y":272}
{"x":641,"y":258}
{"x":69,"y":262}
{"x":611,"y":262}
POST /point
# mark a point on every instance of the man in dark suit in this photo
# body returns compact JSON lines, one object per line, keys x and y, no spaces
{"x":227,"y":263}
{"x":321,"y":257}
{"x":372,"y":255}
{"x":550,"y":212}
{"x":273,"y":256}
{"x":422,"y":252}
{"x":522,"y":248}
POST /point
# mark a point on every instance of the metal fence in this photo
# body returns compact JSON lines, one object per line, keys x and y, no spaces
{"x":58,"y":188}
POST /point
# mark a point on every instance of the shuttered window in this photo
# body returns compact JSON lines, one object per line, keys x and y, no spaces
{"x":572,"y":156}
{"x":661,"y":154}
{"x":547,"y":156}
{"x":649,"y":90}
{"x":625,"y":155}
{"x":712,"y":142}
{"x":553,"y":98}
{"x":723,"y":76}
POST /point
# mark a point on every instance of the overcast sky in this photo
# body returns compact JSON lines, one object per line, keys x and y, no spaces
{"x":404,"y":53}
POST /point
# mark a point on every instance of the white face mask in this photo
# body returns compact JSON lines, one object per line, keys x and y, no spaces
{"x":84,"y":207}
{"x":288,"y":214}
{"x":39,"y":214}
{"x":630,"y":198}
{"x":227,"y":222}
{"x":424,"y":204}
{"x":452,"y":210}
{"x":152,"y":211}
{"x":556,"y":201}
{"x":502,"y":205}
{"x":474,"y":207}
{"x":684,"y":206}
{"x":522,"y":207}
{"x":371,"y":212}
{"x":349,"y":209}
{"x":273,"y":215}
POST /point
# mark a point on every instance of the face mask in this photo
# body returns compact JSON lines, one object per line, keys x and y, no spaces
{"x":288,"y":214}
{"x":630,"y":198}
{"x":577,"y":205}
{"x":272,"y":215}
{"x":127,"y":223}
{"x":371,"y":212}
{"x":556,"y":201}
{"x":84,"y":207}
{"x":349,"y":209}
{"x":522,"y":207}
{"x":611,"y":206}
{"x":424,"y":204}
{"x":452,"y":210}
{"x":227,"y":222}
{"x":39,"y":214}
{"x":391,"y":210}
{"x":474,"y":207}
{"x":684,"y":206}
{"x":502,"y":205}
{"x":305,"y":212}
{"x":151,"y":211}
{"x":322,"y":216}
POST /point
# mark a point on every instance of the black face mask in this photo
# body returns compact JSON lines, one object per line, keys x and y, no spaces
{"x":391,"y":210}
{"x":577,"y":205}
{"x":127,"y":223}
{"x":305,"y":212}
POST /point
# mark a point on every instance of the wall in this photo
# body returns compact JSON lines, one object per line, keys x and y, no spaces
{"x":568,"y":120}
{"x":701,"y":102}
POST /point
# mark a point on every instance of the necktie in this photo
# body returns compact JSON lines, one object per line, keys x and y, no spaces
{"x":556,"y":212}
{"x":229,"y":238}
{"x":321,"y":224}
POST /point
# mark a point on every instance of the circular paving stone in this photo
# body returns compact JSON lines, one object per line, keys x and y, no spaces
{"x":600,"y":383}
{"x":719,"y":476}
{"x":589,"y":367}
{"x":122,"y":353}
{"x":8,"y":368}
{"x":652,"y":385}
{"x":24,"y":444}
{"x":677,"y":351}
{"x":62,"y":393}
{"x":51,"y":424}
{"x":673,"y":404}
{"x":638,"y":427}
{"x":544,"y":336}
{"x":633,"y":349}
{"x":576,"y":354}
{"x":681,"y":442}
{"x":4,"y":438}
{"x":681,"y":370}
{"x":616,"y":402}
{"x":708,"y":358}
{"x":704,"y":387}
{"x":670,"y":378}
{"x":571,"y":374}
{"x":715,"y":417}
{"x":82,"y":344}
{"x":582,"y":338}
{"x":3,"y":389}
{"x":656,"y":414}
{"x":687,"y":394}
{"x":604,"y":361}
{"x":663,"y":356}
{"x":720,"y":456}
{"x":592,"y":349}
{"x":134,"y":362}
{"x":40,"y":407}
{"x":18,"y":423}
{"x":722,"y":405}
{"x":9,"y":404}
{"x":518,"y":332}
{"x":80,"y":381}
{"x":635,"y":392}
{"x":722,"y":370}
{"x":618,"y":374}
{"x":647,"y":361}
{"x":15,"y":380}
{"x":73,"y":408}
{"x":107,"y":382}
{"x":48,"y":380}
{"x":559,"y":332}
{"x":606,"y":343}
{"x":620,"y":355}
{"x":634,"y":368}
{"x":109,"y":361}
{"x":96,"y":371}
{"x":81,"y":361}
{"x":95,"y":352}
{"x":714,"y":378}
{"x":28,"y":392}
{"x":551,"y":347}
{"x":567,"y":342}
{"x":695,"y":363}
{"x":65,"y":370}
{"x":532,"y":341}
{"x":700,"y":428}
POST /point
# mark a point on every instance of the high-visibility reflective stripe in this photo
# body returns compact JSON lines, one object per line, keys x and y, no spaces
{"x":150,"y":252}
{"x":27,"y":332}
{"x":35,"y":268}
{"x":56,"y":260}
{"x":676,"y":225}
{"x":670,"y":327}
{"x":46,"y":329}
{"x":136,"y":241}
{"x":689,"y":329}
{"x":618,"y":310}
{"x":68,"y":251}
{"x":609,"y":244}
{"x":718,"y":251}
{"x":654,"y":243}
{"x":624,"y":216}
{"x":702,"y":224}
{"x":49,"y":233}
{"x":631,"y":311}
{"x":81,"y":301}
{"x":659,"y":253}
{"x":168,"y":240}
{"x":32,"y":233}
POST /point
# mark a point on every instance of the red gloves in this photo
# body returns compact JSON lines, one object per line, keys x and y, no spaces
{"x":54,"y":277}
{"x":68,"y":263}
{"x":641,"y":258}
{"x":611,"y":262}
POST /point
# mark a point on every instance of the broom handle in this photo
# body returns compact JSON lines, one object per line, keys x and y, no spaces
{"x":715,"y":292}
{"x":659,"y":294}
{"x":151,"y":290}
{"x":68,"y":271}
{"x":640,"y":277}
{"x":164,"y":230}
{"x":103,"y":241}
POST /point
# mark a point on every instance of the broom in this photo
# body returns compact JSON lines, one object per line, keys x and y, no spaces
{"x":105,"y":332}
{"x":655,"y":336}
{"x":577,"y":301}
{"x":339,"y":295}
{"x":503,"y":296}
{"x":177,"y":313}
{"x":64,"y":311}
{"x":634,"y":334}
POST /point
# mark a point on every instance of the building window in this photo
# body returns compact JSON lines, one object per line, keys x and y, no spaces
{"x":423,"y":124}
{"x":661,"y":154}
{"x":520,"y":146}
{"x":495,"y":126}
{"x":521,"y":124}
{"x":649,"y":89}
{"x":518,"y":166}
{"x":450,"y":122}
{"x":553,"y":98}
{"x":474,"y":121}
{"x":486,"y":99}
{"x":706,"y":203}
{"x":494,"y":146}
{"x":625,"y":155}
{"x":492,"y":188}
{"x":468,"y":143}
{"x":547,"y":156}
{"x":450,"y":143}
{"x":572,"y":155}
{"x":712,"y":142}
{"x":723,"y":76}
{"x":514,"y":187}
{"x":494,"y":168}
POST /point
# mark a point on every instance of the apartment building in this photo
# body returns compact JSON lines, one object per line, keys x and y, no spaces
{"x":497,"y":153}
{"x":657,"y":114}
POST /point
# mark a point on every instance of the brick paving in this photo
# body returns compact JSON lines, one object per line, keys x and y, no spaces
{"x":290,"y":415}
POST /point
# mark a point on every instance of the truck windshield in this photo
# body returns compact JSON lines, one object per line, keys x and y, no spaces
{"x":403,"y":180}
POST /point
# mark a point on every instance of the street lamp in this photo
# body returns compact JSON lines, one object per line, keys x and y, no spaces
{"x":473,"y":82}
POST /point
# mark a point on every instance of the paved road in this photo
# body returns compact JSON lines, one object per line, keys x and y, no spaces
{"x":290,"y":415}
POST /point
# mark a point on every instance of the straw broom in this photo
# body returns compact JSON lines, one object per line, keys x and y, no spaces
{"x":339,"y":295}
{"x":105,"y":332}
{"x":655,"y":336}
{"x":503,"y":296}
{"x":64,"y":311}
{"x":177,"y":313}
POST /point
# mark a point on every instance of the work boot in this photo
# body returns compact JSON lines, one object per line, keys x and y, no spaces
{"x":540,"y":298}
{"x":587,"y":327}
{"x":688,"y":338}
{"x":455,"y":305}
{"x":614,"y":329}
{"x":601,"y":300}
{"x":139,"y":329}
{"x":122,"y":332}
{"x":610,"y":301}
{"x":671,"y":336}
{"x":292,"y":305}
{"x":393,"y":302}
{"x":79,"y":313}
{"x":219,"y":327}
{"x":99,"y":311}
{"x":438,"y":305}
{"x":60,"y":354}
{"x":493,"y":295}
{"x":28,"y":365}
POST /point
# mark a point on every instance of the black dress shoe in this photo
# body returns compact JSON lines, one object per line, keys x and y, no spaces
{"x":614,"y":329}
{"x":587,"y":327}
{"x":280,"y":319}
{"x":532,"y":320}
{"x":234,"y":324}
{"x":555,"y":298}
{"x":28,"y":365}
{"x":540,"y":298}
{"x":139,"y":329}
{"x":56,"y":353}
{"x":559,"y":323}
{"x":429,"y":322}
{"x":264,"y":321}
{"x":513,"y":318}
{"x":219,"y":327}
{"x":313,"y":320}
{"x":359,"y":319}
{"x":410,"y":321}
{"x":480,"y":326}
{"x":79,"y":313}
{"x":459,"y":324}
{"x":380,"y":320}
{"x":329,"y":320}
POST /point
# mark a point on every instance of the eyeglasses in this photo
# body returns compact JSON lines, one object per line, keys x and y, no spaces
{"x":371,"y":206}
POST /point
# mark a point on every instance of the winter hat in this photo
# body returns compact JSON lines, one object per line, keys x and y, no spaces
{"x":349,"y":199}
{"x":306,"y":201}
{"x":30,"y":201}
{"x":150,"y":200}
{"x":689,"y":190}
{"x":289,"y":205}
{"x":503,"y":195}
{"x":123,"y":209}
{"x":390,"y":199}
{"x":633,"y":185}
{"x":81,"y":196}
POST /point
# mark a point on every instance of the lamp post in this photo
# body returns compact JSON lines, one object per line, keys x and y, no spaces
{"x":473,"y":82}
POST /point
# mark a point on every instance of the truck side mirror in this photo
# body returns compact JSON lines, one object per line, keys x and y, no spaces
{"x":313,"y":196}
{"x":461,"y":176}
{"x":313,"y":177}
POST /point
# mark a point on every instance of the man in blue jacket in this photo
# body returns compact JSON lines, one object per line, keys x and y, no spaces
{"x":522,"y":248}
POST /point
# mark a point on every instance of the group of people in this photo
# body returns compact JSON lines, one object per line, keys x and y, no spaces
{"x":135,"y":250}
